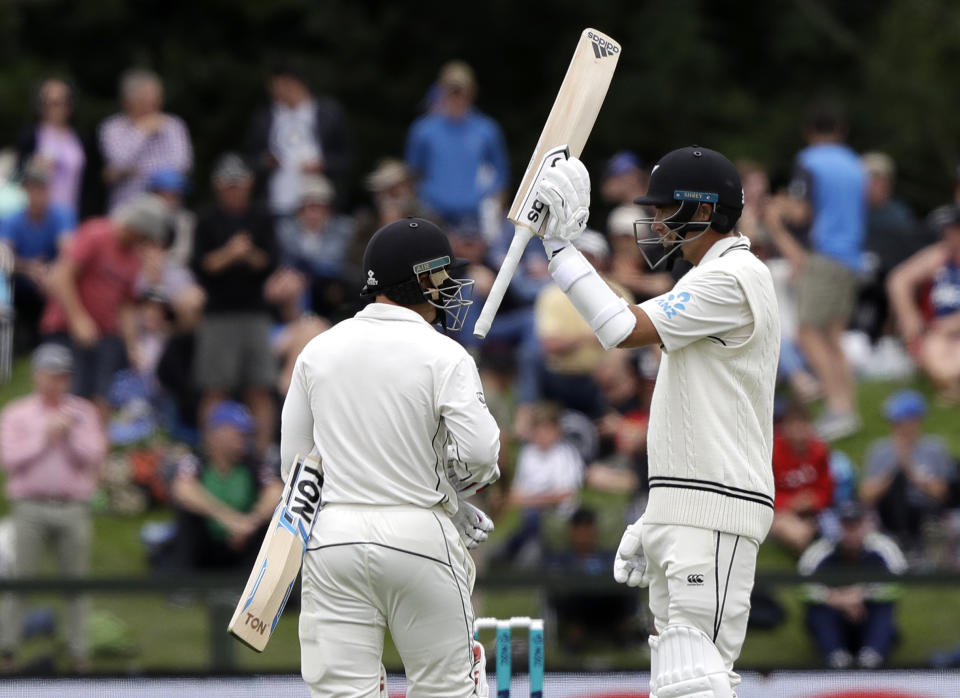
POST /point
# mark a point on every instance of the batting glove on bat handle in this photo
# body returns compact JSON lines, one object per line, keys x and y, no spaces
{"x":472,"y":524}
{"x":565,"y":188}
{"x":630,"y":564}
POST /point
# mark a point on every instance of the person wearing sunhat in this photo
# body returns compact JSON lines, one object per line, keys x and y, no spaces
{"x":172,"y":186}
{"x":52,"y":445}
{"x":224,"y":497}
{"x":907,"y":475}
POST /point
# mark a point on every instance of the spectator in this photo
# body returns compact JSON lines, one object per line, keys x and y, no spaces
{"x":171,"y":186}
{"x":907,"y":475}
{"x":857,"y":619}
{"x":548,"y":477}
{"x":828,"y":192}
{"x":234,"y":255}
{"x":34,"y":236}
{"x":313,"y":248}
{"x":801,"y":472}
{"x":224,"y":501}
{"x":143,"y":139}
{"x":52,"y":446}
{"x":925,"y":296}
{"x":458,"y":153}
{"x":298,"y":134}
{"x":592,"y":617}
{"x":92,"y":292}
{"x":54,"y":142}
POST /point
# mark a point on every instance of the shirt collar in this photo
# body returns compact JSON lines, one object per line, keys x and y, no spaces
{"x":724,"y":244}
{"x":385,"y":311}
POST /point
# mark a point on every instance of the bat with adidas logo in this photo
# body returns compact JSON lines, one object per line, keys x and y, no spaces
{"x":280,"y":557}
{"x":564,"y":134}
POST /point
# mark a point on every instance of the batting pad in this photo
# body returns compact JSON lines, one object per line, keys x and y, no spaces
{"x":689,"y":666}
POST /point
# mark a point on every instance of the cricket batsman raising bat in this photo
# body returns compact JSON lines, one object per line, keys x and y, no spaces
{"x":564,"y":134}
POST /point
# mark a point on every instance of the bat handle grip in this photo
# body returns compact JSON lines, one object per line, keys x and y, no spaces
{"x":521,"y":236}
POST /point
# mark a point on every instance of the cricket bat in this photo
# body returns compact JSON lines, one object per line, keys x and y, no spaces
{"x":564,"y":134}
{"x":280,"y":557}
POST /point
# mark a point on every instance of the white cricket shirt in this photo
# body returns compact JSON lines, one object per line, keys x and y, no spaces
{"x":380,"y":396}
{"x":710,"y":438}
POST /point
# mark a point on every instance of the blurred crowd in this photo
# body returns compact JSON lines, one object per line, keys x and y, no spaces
{"x":162,"y":331}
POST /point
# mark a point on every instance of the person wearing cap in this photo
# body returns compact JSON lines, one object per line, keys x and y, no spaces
{"x":828,"y":193}
{"x":142,"y":138}
{"x":33,"y":237}
{"x":907,"y":475}
{"x":234,"y":255}
{"x":710,"y":436}
{"x":171,"y":185}
{"x":52,"y":446}
{"x":931,"y":327}
{"x":92,"y":291}
{"x":312,"y":251}
{"x":854,"y":622}
{"x":458,"y":153}
{"x":299,"y":133}
{"x":224,"y":499}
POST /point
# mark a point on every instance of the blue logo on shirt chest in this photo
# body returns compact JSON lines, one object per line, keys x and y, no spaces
{"x":674,"y":303}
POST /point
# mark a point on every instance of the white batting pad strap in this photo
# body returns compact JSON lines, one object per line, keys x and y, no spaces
{"x":689,"y":666}
{"x":608,"y":314}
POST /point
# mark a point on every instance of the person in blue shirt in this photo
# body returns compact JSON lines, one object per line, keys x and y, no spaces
{"x":33,"y":237}
{"x":829,"y":194}
{"x":458,"y":153}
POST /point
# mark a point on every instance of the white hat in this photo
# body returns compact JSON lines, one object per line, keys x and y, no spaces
{"x":593,"y":243}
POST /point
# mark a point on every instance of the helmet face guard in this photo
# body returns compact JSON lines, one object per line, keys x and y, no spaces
{"x":678,"y":225}
{"x":448,"y":294}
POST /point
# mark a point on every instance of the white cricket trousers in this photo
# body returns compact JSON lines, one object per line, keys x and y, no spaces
{"x":702,"y":579}
{"x":371,"y":568}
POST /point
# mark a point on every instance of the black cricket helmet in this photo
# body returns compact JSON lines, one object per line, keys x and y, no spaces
{"x":691,"y":177}
{"x":409,"y":261}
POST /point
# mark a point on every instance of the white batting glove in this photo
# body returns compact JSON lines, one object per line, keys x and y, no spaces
{"x":461,"y":478}
{"x":565,"y":188}
{"x":473,"y":525}
{"x":630,"y":565}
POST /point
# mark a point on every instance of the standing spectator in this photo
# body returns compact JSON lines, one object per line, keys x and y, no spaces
{"x":54,"y":141}
{"x":801,"y":472}
{"x":828,"y":192}
{"x":298,"y":134}
{"x":52,"y":446}
{"x":233,"y":257}
{"x":458,"y":153}
{"x":857,"y":619}
{"x":930,"y":321}
{"x":142,"y":139}
{"x":224,"y":499}
{"x":92,"y":292}
{"x":171,"y":186}
{"x":34,"y":236}
{"x":907,"y":475}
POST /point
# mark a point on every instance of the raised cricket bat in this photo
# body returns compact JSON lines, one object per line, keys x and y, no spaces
{"x":280,"y":557}
{"x":564,"y":134}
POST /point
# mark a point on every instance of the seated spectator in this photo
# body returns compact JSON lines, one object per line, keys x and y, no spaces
{"x":855,"y":620}
{"x":583,"y":616}
{"x":547,"y":479}
{"x":801,"y":472}
{"x":234,"y":255}
{"x":171,"y":186}
{"x":142,"y":139}
{"x":907,"y":475}
{"x":34,"y":236}
{"x":52,"y":446}
{"x":933,"y":337}
{"x":92,"y":292}
{"x":224,"y":501}
{"x":312,"y":249}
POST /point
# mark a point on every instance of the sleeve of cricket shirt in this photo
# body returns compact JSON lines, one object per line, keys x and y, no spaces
{"x":708,"y":305}
{"x":473,"y":431}
{"x":296,"y":422}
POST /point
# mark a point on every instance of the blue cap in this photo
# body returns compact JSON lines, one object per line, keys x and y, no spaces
{"x":167,"y":180}
{"x":903,"y":405}
{"x":622,"y":162}
{"x":230,"y":413}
